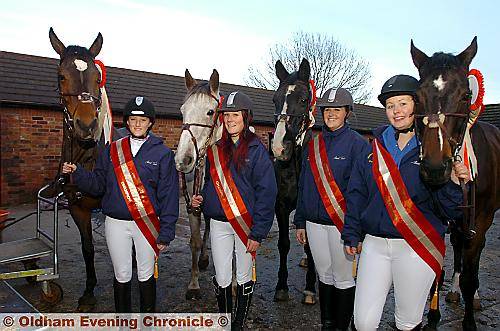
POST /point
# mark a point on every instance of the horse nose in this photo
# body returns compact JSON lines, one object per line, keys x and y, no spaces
{"x":187,"y":160}
{"x":87,"y":128}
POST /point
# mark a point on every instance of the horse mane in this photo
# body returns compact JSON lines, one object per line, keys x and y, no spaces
{"x":203,"y":88}
{"x":77,"y":51}
{"x":440,"y":61}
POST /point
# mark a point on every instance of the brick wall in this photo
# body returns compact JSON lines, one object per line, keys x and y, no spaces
{"x":30,"y":145}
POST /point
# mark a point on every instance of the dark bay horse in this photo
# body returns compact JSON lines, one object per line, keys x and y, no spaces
{"x":442,"y":113}
{"x":78,"y":83}
{"x":199,"y":111}
{"x":292,"y":101}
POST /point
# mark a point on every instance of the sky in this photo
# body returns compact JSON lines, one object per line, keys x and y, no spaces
{"x":169,"y":36}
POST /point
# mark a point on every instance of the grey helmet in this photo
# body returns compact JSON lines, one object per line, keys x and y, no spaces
{"x":398,"y":85}
{"x":336,"y":97}
{"x":139,"y":106}
{"x":236,"y":101}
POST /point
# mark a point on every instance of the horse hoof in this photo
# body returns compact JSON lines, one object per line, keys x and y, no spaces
{"x":86,"y":303}
{"x":453,"y":297}
{"x":193,"y":294}
{"x":303,"y":262}
{"x":309,"y":298}
{"x":469,"y":325}
{"x":203,"y":263}
{"x":428,"y":327}
{"x":281,"y":295}
{"x":476,"y":304}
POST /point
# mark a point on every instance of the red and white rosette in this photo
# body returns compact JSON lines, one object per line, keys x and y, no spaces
{"x":476,"y":86}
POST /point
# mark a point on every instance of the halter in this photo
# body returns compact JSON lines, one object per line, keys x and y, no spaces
{"x":187,"y":127}
{"x":305,"y":120}
{"x":82,"y":97}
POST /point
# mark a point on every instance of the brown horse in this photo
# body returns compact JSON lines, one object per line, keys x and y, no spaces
{"x":442,"y":113}
{"x":78,"y":83}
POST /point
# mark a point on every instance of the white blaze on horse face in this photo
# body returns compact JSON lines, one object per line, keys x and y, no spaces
{"x":194,"y":110}
{"x":439,"y":83}
{"x":80,"y":65}
{"x":279,"y":134}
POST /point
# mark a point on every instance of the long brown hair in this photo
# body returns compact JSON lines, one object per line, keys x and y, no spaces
{"x":237,"y":155}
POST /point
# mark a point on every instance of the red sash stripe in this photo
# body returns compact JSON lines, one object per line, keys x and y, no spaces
{"x":228,"y":194}
{"x":406,"y":217}
{"x":330,"y":194}
{"x":134,"y":192}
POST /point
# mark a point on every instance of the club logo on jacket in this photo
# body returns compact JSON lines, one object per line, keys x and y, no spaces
{"x":153,"y":163}
{"x":417,"y":163}
{"x":339,"y":157}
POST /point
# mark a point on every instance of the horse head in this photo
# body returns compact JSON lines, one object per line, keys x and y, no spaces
{"x":292,"y":101}
{"x":199,"y":115}
{"x":78,"y":82}
{"x":442,"y":110}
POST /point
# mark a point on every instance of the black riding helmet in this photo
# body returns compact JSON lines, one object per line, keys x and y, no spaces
{"x":336,"y":97}
{"x":237,"y":101}
{"x":398,"y":85}
{"x":139,"y":106}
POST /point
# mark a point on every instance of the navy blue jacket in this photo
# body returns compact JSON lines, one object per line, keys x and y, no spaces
{"x":366,"y":212}
{"x":342,"y":147}
{"x":257,"y":186}
{"x":155,"y":164}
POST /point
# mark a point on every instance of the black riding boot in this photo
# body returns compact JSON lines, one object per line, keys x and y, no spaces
{"x":326,"y":302}
{"x":243,"y":301}
{"x":122,"y":291}
{"x":147,"y":295}
{"x":344,"y":306}
{"x":224,"y":297}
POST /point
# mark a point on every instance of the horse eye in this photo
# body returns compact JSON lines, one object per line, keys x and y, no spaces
{"x":61,"y":77}
{"x":210,"y":112}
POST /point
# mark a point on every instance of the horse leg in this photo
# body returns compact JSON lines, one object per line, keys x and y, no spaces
{"x":193,"y":291}
{"x":203,"y":260}
{"x":469,"y":280}
{"x":82,"y":220}
{"x":281,"y":292}
{"x":457,"y":241}
{"x":309,"y":297}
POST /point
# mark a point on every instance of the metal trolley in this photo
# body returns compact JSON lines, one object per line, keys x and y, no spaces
{"x":43,"y":244}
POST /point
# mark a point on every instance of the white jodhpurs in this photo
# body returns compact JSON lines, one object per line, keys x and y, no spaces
{"x":224,"y":241}
{"x":120,"y":237}
{"x":384,"y":262}
{"x":333,"y":265}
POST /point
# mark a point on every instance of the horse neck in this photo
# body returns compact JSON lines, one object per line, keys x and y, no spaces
{"x":72,"y":151}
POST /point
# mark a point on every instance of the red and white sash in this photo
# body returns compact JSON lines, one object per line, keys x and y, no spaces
{"x":406,"y":217}
{"x":230,"y":198}
{"x":134,"y":192}
{"x":332,"y":197}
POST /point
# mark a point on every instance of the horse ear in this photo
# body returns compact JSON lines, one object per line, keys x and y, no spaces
{"x":214,"y":83}
{"x":304,"y":70}
{"x":189,"y":80}
{"x":281,"y":72}
{"x":57,"y":45}
{"x":96,"y":45}
{"x":419,"y":57}
{"x":468,"y":54}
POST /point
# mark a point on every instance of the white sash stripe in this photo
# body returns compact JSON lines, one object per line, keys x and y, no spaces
{"x":415,"y":229}
{"x":324,"y":180}
{"x":133,"y":190}
{"x":227,"y":191}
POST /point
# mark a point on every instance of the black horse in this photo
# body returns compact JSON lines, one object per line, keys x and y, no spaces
{"x":79,"y":89}
{"x":442,"y":114}
{"x":292,"y":100}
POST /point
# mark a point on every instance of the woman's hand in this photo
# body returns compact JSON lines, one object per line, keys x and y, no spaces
{"x":460,"y":171}
{"x":161,"y":247}
{"x":353,"y":250}
{"x":68,"y":168}
{"x":252,"y":246}
{"x":196,"y":201}
{"x":301,"y":236}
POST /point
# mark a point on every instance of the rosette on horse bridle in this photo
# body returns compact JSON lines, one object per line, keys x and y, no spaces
{"x":105,"y":115}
